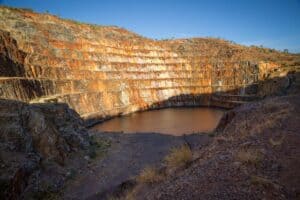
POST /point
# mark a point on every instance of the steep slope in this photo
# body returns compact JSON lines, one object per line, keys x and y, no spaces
{"x":255,"y":156}
{"x":106,"y":71}
{"x":38,"y":144}
{"x":49,"y":65}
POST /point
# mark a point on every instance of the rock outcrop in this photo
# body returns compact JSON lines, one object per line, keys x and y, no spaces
{"x":106,"y":71}
{"x":58,"y":75}
{"x":34,"y":138}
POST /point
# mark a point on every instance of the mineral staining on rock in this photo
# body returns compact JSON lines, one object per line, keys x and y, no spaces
{"x":56,"y":72}
{"x":105,"y":71}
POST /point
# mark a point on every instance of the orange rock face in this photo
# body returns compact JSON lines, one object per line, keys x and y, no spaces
{"x":105,"y":71}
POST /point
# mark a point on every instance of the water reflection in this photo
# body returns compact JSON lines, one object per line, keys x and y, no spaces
{"x":174,"y":121}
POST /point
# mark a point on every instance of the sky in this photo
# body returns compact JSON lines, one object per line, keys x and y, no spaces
{"x":271,"y":23}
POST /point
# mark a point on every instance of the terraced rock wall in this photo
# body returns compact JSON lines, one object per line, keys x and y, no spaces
{"x":106,"y":71}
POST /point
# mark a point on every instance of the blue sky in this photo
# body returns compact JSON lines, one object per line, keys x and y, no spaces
{"x":271,"y":23}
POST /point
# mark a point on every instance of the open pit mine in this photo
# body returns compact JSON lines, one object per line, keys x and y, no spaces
{"x":59,"y":77}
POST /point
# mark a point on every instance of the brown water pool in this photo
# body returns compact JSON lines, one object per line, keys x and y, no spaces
{"x":173,"y":121}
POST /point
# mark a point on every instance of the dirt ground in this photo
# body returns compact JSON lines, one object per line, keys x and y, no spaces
{"x":127,"y":155}
{"x":256,"y":156}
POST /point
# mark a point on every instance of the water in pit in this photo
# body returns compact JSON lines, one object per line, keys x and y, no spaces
{"x":173,"y":121}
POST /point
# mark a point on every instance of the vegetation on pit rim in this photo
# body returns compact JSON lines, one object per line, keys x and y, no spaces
{"x":17,"y":9}
{"x":83,"y":23}
{"x":149,"y":175}
{"x":179,"y":157}
{"x":250,"y":156}
{"x":261,"y":181}
{"x":275,"y":143}
{"x":98,"y":146}
{"x":212,"y":134}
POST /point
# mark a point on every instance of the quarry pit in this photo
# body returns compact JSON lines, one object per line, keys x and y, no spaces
{"x":86,"y":108}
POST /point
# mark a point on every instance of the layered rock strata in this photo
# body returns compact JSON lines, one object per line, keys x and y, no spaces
{"x":106,"y":71}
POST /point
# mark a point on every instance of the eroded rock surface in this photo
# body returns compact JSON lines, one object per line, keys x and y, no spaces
{"x":106,"y":71}
{"x":33,"y":140}
{"x":99,"y":72}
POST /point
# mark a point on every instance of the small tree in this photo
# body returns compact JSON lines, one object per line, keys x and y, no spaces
{"x":285,"y":51}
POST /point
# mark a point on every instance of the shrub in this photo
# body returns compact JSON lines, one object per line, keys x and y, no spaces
{"x":179,"y":157}
{"x":212,"y":134}
{"x":252,"y":157}
{"x":98,"y":146}
{"x":149,"y":175}
{"x":257,"y":180}
{"x":276,"y":142}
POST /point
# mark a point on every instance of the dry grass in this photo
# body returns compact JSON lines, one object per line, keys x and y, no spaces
{"x":272,"y":117}
{"x":149,"y":175}
{"x":112,"y":198}
{"x":275,"y":143}
{"x":179,"y":157}
{"x":260,"y":181}
{"x":222,"y":139}
{"x":252,"y":157}
{"x":130,"y":195}
{"x":258,"y":120}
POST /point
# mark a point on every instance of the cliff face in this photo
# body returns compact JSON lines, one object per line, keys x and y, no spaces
{"x":37,"y":145}
{"x":106,"y":71}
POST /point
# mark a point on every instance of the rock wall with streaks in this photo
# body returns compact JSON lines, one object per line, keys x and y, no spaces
{"x":104,"y":71}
